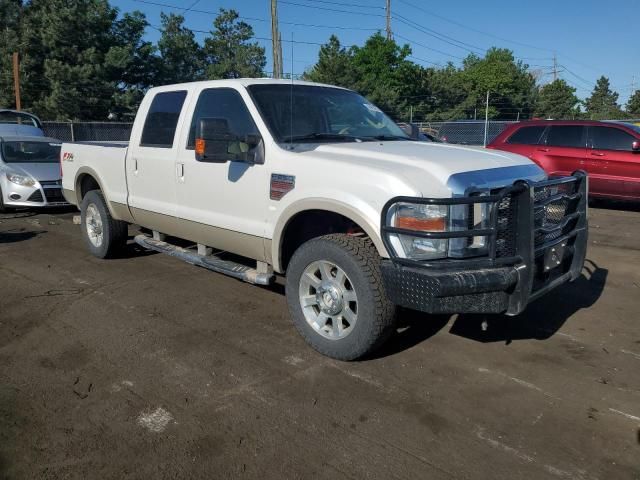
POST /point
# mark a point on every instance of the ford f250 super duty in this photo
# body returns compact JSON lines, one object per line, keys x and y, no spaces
{"x":316,"y":182}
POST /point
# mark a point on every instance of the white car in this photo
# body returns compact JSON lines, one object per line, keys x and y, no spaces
{"x":315,"y":182}
{"x":30,"y":172}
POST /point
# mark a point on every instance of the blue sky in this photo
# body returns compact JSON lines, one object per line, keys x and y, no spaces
{"x":589,"y":37}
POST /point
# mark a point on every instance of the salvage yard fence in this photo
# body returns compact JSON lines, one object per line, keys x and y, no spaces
{"x":88,"y":131}
{"x":462,"y":132}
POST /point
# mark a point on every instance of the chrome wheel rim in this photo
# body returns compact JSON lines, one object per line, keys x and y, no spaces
{"x":93,"y":222}
{"x":328,"y":300}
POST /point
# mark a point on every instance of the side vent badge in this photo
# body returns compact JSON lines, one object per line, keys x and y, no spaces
{"x":281,"y":185}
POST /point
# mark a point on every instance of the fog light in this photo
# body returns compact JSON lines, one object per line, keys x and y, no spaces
{"x":15,"y":196}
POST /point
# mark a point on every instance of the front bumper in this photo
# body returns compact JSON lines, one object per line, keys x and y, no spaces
{"x":537,"y":241}
{"x":43,"y":194}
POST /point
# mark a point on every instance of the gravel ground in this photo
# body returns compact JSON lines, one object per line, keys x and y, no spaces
{"x":146,"y":367}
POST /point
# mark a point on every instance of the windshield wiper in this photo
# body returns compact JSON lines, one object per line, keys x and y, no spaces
{"x":319,"y":136}
{"x":387,"y":137}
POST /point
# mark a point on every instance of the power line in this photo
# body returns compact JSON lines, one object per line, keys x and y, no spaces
{"x":255,"y":19}
{"x":332,"y":9}
{"x":357,"y":5}
{"x":427,"y":47}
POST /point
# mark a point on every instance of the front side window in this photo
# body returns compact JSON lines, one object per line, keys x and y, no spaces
{"x":162,"y":119}
{"x":527,"y":135}
{"x":608,"y":138}
{"x":223,"y":103}
{"x":566,"y":136}
{"x":306,"y":113}
{"x":30,"y":152}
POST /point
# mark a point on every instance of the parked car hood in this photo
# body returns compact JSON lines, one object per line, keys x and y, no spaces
{"x":431,"y":166}
{"x":39,"y":171}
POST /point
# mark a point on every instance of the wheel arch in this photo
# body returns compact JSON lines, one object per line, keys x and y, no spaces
{"x":308,"y":208}
{"x":86,"y":179}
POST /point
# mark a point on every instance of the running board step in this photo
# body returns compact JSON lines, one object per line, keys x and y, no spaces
{"x":210,"y":262}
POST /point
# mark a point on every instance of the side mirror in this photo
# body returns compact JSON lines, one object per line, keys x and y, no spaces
{"x":635,"y":146}
{"x":216,"y":143}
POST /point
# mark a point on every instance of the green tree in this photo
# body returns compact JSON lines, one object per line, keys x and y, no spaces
{"x":382,"y":73}
{"x":633,"y":105}
{"x":334,"y":66}
{"x":229,"y":54}
{"x":603,"y":102}
{"x":131,"y":64}
{"x":557,"y":100}
{"x":64,"y":62}
{"x":9,"y":43}
{"x":510,"y":85}
{"x":182,"y":57}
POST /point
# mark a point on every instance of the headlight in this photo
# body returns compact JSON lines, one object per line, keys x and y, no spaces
{"x":421,"y":218}
{"x":19,"y":179}
{"x":438,"y":219}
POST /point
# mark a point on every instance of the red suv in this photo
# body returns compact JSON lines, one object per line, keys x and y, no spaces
{"x":608,"y":151}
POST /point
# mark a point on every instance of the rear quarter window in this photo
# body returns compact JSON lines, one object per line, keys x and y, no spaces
{"x":527,"y":135}
{"x":162,"y":119}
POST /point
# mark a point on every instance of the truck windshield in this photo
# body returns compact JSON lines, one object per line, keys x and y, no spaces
{"x":321,"y":114}
{"x":30,"y":152}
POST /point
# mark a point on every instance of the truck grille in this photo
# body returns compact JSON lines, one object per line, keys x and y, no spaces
{"x":506,"y":227}
{"x":555,"y":211}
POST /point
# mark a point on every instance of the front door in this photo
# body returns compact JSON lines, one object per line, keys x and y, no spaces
{"x":614,"y":168}
{"x":151,"y":163}
{"x":222,"y":204}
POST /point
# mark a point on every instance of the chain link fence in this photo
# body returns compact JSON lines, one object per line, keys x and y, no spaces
{"x":88,"y":131}
{"x":470,"y":132}
{"x":460,"y":132}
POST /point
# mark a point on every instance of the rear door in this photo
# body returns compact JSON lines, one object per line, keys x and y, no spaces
{"x":613,"y":166}
{"x":563,"y":149}
{"x":151,"y":162}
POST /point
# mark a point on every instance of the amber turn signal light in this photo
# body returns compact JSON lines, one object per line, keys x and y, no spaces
{"x":200,"y":146}
{"x":421,"y":224}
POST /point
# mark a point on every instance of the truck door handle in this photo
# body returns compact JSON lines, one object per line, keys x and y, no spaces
{"x":135,"y":166}
{"x":543,"y":149}
{"x":180,"y":170}
{"x":597,"y":154}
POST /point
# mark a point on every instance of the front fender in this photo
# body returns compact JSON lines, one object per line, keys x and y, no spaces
{"x":367,"y":221}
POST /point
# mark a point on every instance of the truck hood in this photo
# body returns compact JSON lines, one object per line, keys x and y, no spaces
{"x":437,"y":168}
{"x":40,"y":171}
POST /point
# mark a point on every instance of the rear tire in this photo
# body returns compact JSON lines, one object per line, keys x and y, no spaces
{"x":103,"y":235}
{"x":336,"y":296}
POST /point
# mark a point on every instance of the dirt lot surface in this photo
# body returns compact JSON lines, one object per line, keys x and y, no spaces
{"x":146,"y":367}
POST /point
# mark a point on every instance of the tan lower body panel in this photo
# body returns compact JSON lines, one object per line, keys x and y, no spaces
{"x":220,"y":238}
{"x":120,"y":212}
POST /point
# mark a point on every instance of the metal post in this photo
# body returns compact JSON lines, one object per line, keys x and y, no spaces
{"x":73,"y":133}
{"x":486,"y":120}
{"x":410,"y":113}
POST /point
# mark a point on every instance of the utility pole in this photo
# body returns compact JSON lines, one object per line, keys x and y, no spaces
{"x":486,"y":120}
{"x":276,"y":41}
{"x":633,"y":85}
{"x":16,"y":79}
{"x":555,"y":67}
{"x":388,"y":8}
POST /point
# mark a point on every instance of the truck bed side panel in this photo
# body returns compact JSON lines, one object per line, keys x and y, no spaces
{"x":106,"y":164}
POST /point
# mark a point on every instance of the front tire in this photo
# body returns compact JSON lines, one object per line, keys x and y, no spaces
{"x":104,"y":236}
{"x":336,"y":296}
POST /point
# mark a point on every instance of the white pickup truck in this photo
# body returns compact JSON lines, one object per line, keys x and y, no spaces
{"x":316,"y":182}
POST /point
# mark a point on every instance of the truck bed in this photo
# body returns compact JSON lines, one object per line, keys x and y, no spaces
{"x":105,"y":161}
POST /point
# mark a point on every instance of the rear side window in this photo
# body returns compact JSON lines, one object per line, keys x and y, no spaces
{"x":162,"y":120}
{"x":566,"y":136}
{"x":607,"y":138}
{"x":223,"y":103}
{"x":527,"y":135}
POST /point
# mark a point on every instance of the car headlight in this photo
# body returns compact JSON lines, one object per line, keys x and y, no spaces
{"x":430,"y":218}
{"x":420,"y":218}
{"x":24,"y":180}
